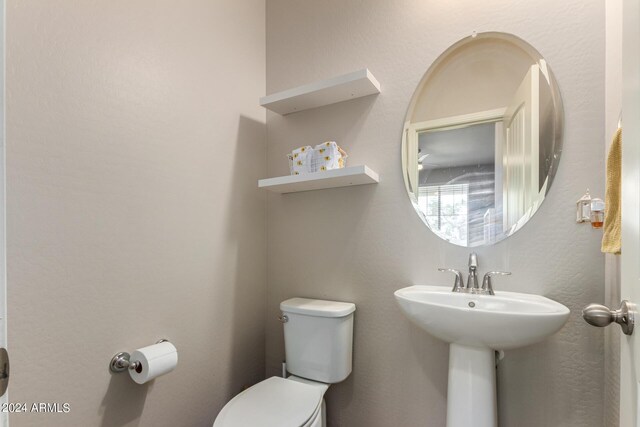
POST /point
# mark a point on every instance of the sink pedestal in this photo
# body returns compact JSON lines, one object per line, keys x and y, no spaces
{"x":471,"y":395}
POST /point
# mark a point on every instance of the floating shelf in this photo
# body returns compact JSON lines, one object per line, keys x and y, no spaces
{"x":345,"y":177}
{"x":324,"y":92}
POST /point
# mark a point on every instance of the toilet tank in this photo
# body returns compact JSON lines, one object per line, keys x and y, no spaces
{"x":318,"y":337}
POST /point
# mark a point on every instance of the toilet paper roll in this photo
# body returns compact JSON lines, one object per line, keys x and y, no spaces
{"x":155,"y":360}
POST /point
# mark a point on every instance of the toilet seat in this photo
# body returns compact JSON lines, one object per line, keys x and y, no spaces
{"x":274,"y":402}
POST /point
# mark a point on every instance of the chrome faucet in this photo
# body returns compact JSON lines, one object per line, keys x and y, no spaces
{"x":472,"y":281}
{"x":487,"y":287}
{"x":458,"y":286}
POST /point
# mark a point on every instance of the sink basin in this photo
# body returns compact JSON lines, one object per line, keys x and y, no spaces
{"x":476,"y":326}
{"x":502,"y":321}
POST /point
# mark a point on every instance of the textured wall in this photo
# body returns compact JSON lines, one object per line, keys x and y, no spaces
{"x":134,"y":145}
{"x":360,"y":244}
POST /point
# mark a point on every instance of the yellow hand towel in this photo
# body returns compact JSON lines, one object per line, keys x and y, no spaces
{"x":613,"y":197}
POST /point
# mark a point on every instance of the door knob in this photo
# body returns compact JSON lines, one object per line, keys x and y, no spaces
{"x":600,"y":316}
{"x":4,"y":371}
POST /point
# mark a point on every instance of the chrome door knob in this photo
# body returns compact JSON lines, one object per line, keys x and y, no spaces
{"x":601,"y":316}
{"x":4,"y":371}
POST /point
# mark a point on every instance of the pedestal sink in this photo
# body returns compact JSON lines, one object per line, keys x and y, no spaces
{"x":476,"y":326}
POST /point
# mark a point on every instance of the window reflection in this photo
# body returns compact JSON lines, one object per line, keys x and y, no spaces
{"x":446,"y":209}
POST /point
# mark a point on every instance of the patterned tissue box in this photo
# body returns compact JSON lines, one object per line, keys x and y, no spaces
{"x":322,"y":157}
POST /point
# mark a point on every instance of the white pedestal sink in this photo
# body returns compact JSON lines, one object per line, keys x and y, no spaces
{"x":476,"y":326}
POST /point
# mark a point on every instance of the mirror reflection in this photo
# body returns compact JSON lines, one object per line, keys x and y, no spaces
{"x":482,"y":139}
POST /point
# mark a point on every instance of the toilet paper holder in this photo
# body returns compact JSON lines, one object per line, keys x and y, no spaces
{"x":122,"y":361}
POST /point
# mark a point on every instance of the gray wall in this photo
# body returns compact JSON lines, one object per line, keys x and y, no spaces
{"x":360,"y":244}
{"x":134,"y":144}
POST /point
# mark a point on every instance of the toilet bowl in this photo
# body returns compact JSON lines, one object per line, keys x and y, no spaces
{"x":318,"y":338}
{"x":276,"y":402}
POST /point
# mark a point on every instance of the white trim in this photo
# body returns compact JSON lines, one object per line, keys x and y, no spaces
{"x":459,"y":121}
{"x":629,"y":266}
{"x":4,"y":417}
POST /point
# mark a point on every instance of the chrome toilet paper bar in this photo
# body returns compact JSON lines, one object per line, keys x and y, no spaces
{"x":122,"y":361}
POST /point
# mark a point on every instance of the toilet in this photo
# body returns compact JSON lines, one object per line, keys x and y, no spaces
{"x":318,"y":338}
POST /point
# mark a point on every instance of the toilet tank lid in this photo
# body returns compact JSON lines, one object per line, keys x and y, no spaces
{"x":316,"y":307}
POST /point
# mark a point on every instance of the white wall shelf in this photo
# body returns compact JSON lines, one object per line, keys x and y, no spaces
{"x":352,"y":175}
{"x":324,"y":92}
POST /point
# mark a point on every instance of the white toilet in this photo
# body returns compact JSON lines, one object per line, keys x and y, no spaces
{"x":318,"y":339}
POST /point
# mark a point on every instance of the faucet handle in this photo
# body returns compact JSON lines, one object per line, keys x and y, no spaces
{"x":486,"y":282}
{"x":457,"y":287}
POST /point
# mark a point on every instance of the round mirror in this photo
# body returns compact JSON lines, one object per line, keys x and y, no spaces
{"x":482,"y":139}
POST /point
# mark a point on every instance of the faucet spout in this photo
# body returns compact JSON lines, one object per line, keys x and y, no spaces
{"x":473,"y":261}
{"x":472,"y":280}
